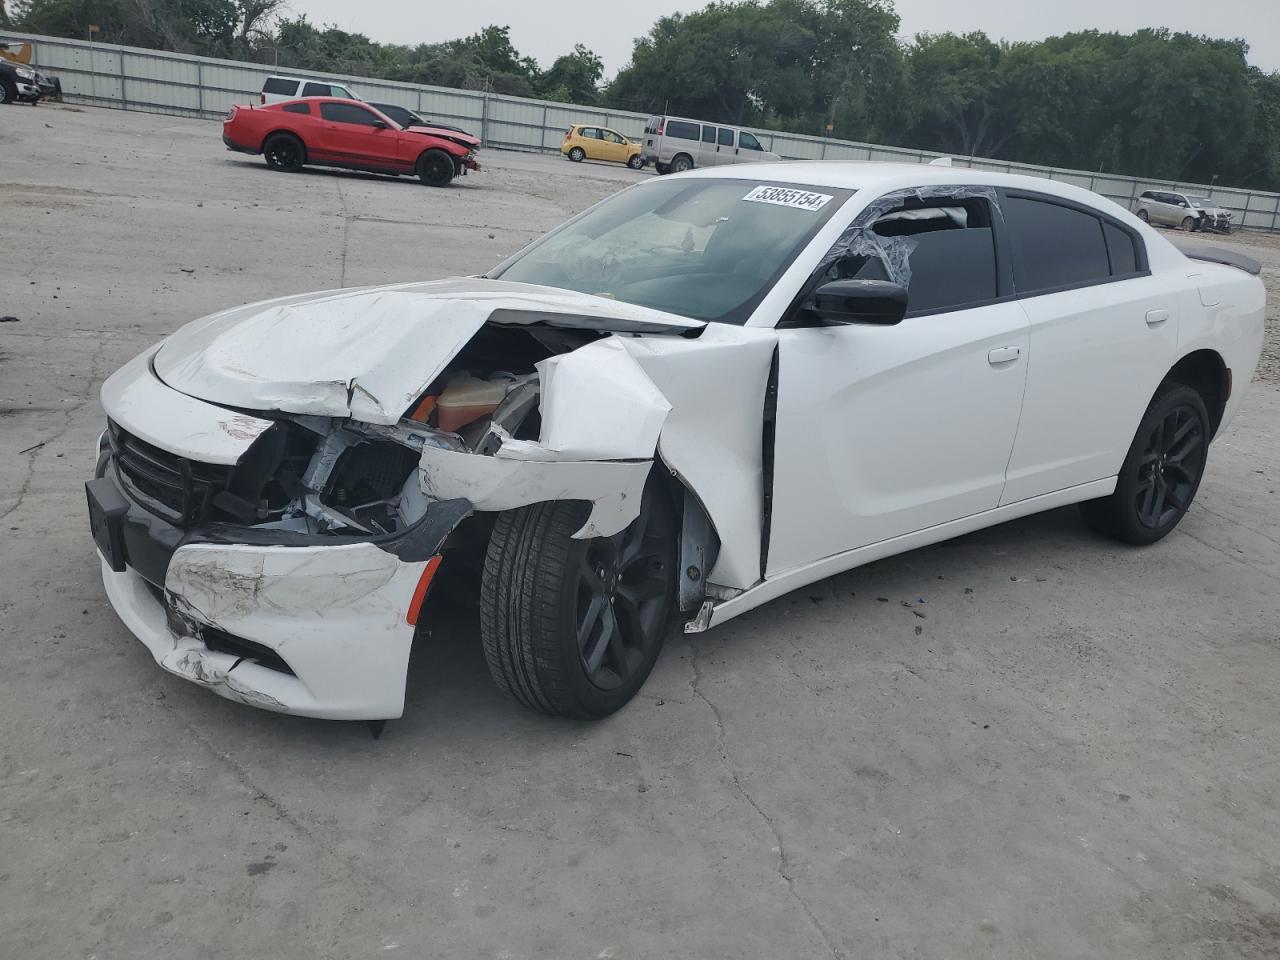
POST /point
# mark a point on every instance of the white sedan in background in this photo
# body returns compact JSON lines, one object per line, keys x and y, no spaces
{"x":703,"y":392}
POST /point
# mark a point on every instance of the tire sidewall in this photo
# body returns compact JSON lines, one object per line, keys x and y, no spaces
{"x":680,"y":164}
{"x":284,"y":168}
{"x":7,"y":93}
{"x":635,"y":163}
{"x":433,"y":158}
{"x":577,"y":154}
{"x":1125,"y":517}
{"x":594,"y":701}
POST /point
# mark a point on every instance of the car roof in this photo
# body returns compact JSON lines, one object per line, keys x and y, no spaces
{"x":328,"y":80}
{"x":875,"y":174}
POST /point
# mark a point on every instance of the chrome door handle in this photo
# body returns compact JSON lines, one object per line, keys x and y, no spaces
{"x":1003,"y":355}
{"x":1156,"y":317}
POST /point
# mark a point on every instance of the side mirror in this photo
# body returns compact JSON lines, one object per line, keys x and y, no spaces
{"x":379,"y":124}
{"x":860,"y":301}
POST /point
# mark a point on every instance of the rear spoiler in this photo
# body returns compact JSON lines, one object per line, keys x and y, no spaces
{"x":1228,"y":257}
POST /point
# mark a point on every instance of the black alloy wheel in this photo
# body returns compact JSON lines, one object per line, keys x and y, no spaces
{"x":283,"y":152}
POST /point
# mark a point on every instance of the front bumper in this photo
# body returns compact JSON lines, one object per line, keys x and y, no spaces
{"x":306,"y":625}
{"x":28,"y":90}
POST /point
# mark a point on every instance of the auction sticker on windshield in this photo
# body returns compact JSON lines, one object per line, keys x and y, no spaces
{"x":785,"y":197}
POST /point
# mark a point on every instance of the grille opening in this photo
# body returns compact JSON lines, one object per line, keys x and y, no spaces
{"x":178,"y":489}
{"x":220,"y":641}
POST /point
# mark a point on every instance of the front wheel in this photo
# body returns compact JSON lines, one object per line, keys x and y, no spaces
{"x":1161,"y":474}
{"x":1188,"y":224}
{"x":570,"y":627}
{"x":435,"y":168}
{"x":7,"y":93}
{"x":634,"y":162}
{"x":577,"y":154}
{"x":284,"y":152}
{"x":1144,"y":216}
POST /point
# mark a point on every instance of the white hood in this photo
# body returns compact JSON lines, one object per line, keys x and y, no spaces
{"x":368,"y":353}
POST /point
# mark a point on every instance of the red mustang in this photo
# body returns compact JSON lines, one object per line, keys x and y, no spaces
{"x":328,"y":132}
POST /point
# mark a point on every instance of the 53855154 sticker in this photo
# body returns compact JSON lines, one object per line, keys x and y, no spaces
{"x":788,"y":197}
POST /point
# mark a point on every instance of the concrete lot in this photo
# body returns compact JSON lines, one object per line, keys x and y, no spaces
{"x":1028,"y":742}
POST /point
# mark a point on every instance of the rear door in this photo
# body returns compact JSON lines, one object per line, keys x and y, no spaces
{"x":1104,"y":333}
{"x":349,"y":133}
{"x":707,"y":149}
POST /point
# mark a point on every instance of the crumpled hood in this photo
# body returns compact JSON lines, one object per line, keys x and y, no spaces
{"x":369,"y":353}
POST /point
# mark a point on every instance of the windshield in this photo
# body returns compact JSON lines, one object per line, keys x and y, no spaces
{"x":1200,"y":201}
{"x":704,"y":249}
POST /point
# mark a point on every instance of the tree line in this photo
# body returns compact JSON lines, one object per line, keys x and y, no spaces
{"x":1156,"y":103}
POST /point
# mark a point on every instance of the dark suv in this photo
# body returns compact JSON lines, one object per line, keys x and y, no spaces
{"x":18,"y":83}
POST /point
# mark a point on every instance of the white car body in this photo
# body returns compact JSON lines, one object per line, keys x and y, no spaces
{"x":278,"y":89}
{"x":808,"y":450}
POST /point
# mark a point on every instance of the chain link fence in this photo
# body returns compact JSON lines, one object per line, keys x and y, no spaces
{"x":153,"y":81}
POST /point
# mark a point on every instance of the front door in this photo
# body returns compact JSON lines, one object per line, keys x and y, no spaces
{"x":885,"y":430}
{"x":350,"y":133}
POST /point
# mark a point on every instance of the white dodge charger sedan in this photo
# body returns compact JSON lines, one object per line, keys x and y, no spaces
{"x":703,"y":392}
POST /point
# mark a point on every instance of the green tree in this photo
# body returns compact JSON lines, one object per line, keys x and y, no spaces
{"x":573,"y":78}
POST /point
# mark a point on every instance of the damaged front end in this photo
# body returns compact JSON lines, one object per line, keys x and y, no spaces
{"x":273,"y":542}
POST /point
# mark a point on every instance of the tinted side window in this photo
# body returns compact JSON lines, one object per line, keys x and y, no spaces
{"x":726,"y":138}
{"x":316,"y":90}
{"x":708,"y":134}
{"x":1120,"y":247}
{"x":682,"y":129}
{"x":950,"y":268}
{"x":589,"y":133}
{"x":748,"y":141}
{"x":1147,"y":195}
{"x":1054,"y":246}
{"x":279,"y":85}
{"x":347,"y":113}
{"x":298,"y":107}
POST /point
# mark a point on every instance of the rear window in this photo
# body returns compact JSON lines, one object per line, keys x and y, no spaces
{"x":280,"y":86}
{"x":298,"y":107}
{"x":317,"y":90}
{"x":682,"y":129}
{"x":1054,"y":246}
{"x":653,"y":124}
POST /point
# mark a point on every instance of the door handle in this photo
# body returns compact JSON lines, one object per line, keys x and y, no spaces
{"x":1156,"y":317}
{"x":1003,"y":355}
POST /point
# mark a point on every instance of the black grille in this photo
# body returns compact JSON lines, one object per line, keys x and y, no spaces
{"x":178,"y":489}
{"x":222,"y":642}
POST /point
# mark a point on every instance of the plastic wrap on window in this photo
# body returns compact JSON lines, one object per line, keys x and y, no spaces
{"x":861,"y":240}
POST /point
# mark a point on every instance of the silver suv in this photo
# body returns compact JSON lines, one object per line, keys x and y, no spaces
{"x":1185,"y":211}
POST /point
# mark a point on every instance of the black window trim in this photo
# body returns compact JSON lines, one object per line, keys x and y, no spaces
{"x":1139,"y":246}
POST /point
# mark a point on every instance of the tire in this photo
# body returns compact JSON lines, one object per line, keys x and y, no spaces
{"x":284,"y":152}
{"x":577,"y":154}
{"x":1160,"y":474}
{"x":661,"y":169}
{"x":436,"y":168}
{"x":1188,"y":224}
{"x":1144,"y":216}
{"x":7,"y":93}
{"x":634,"y":162}
{"x":551,"y":607}
{"x":680,"y":163}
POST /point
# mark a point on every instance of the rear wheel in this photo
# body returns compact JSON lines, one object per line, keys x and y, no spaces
{"x":1161,"y":474}
{"x":573,"y":627}
{"x":435,"y":168}
{"x":634,"y":162}
{"x":577,"y":154}
{"x":661,"y":168}
{"x":284,"y":152}
{"x":681,"y":162}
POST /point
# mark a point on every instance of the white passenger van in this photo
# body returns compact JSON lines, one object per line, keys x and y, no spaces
{"x":673,"y":145}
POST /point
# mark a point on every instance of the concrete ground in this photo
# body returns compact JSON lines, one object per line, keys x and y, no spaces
{"x":1028,"y":742}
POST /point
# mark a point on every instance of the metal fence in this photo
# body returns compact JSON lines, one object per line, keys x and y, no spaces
{"x":153,"y":81}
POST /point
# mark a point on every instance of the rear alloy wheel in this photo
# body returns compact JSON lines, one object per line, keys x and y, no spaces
{"x":284,"y":152}
{"x":1161,"y":473}
{"x":435,"y":168}
{"x":577,"y":154}
{"x":573,"y":627}
{"x":634,"y":162}
{"x":680,"y":163}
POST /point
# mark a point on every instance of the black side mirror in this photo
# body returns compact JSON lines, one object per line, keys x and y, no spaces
{"x":860,"y":301}
{"x":379,"y":124}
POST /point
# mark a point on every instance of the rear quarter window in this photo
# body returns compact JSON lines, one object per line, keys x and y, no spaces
{"x":280,"y":86}
{"x":297,"y":108}
{"x":1122,"y":249}
{"x":683,"y":130}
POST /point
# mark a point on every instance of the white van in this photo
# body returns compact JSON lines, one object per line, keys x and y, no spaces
{"x":277,"y":89}
{"x":674,"y":144}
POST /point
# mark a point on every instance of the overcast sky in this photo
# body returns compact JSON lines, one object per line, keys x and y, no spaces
{"x":544,"y":29}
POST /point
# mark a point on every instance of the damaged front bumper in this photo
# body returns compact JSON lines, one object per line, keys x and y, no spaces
{"x":290,"y":622}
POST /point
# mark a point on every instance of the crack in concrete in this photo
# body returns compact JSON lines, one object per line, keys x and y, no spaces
{"x":68,"y":415}
{"x":346,"y":229}
{"x":783,"y":867}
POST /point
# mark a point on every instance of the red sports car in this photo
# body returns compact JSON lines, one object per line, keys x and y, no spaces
{"x":328,"y":132}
